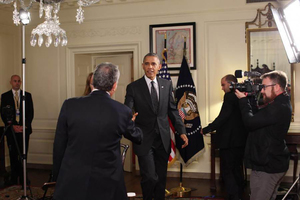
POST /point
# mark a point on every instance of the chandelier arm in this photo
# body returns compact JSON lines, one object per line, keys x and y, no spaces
{"x":24,"y":7}
{"x":86,"y":3}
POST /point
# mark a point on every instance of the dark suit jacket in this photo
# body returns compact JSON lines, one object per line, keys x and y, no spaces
{"x":7,"y":98}
{"x":87,"y":161}
{"x":229,"y":124}
{"x":138,"y":98}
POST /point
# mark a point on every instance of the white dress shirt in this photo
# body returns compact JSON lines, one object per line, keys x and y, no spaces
{"x":148,"y":81}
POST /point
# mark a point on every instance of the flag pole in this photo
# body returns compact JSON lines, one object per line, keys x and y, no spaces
{"x":184,"y":47}
{"x":167,"y":192}
{"x":181,"y":191}
{"x":165,"y":41}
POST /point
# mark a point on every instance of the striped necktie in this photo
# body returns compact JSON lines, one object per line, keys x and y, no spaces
{"x":17,"y":106}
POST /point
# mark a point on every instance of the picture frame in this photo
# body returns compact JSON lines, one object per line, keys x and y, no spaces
{"x":256,"y":1}
{"x":174,"y":78}
{"x":174,"y":43}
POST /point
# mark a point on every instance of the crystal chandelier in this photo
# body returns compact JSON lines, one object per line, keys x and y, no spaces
{"x":50,"y":27}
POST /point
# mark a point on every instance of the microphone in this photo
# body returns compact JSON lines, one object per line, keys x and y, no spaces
{"x":240,"y":74}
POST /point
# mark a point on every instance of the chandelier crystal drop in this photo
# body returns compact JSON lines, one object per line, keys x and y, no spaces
{"x":16,"y":15}
{"x":80,"y":11}
{"x":50,"y":28}
{"x":41,"y":10}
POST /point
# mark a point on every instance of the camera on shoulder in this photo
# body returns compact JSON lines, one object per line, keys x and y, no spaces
{"x":252,"y":85}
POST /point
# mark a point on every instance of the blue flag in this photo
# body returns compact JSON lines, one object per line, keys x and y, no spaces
{"x":186,"y":101}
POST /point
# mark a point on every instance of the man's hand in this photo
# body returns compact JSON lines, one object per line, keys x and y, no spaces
{"x":239,"y":94}
{"x":185,"y":140}
{"x":17,"y":128}
{"x":134,"y":116}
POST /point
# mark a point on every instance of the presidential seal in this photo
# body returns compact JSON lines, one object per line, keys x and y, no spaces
{"x":187,"y":106}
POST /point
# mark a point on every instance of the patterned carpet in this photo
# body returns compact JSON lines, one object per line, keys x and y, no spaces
{"x":15,"y":192}
{"x":36,"y":193}
{"x":184,"y":198}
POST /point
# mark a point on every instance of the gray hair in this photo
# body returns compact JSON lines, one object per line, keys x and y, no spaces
{"x":105,"y":76}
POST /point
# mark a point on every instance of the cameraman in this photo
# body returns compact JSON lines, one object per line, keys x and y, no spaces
{"x":266,"y":152}
{"x":12,"y":116}
{"x":231,"y":139}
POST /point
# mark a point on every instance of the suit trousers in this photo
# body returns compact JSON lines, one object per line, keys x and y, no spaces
{"x":16,"y":163}
{"x":232,"y":171}
{"x":153,"y":168}
{"x":264,"y":185}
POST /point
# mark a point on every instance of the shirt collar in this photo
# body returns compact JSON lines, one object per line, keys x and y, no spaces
{"x":95,"y":89}
{"x":148,"y":80}
{"x":14,"y":91}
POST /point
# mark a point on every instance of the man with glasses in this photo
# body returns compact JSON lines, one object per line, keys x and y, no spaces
{"x":266,"y":152}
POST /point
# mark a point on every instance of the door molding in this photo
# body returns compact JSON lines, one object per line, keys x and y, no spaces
{"x":134,"y":47}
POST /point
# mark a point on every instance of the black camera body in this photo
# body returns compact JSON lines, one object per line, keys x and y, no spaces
{"x":247,"y":86}
{"x":8,"y":113}
{"x":251,"y":86}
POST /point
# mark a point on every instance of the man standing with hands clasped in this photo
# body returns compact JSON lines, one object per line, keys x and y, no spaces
{"x":12,"y":100}
{"x":266,"y":152}
{"x":152,"y":99}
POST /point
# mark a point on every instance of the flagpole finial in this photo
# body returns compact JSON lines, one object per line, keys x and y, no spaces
{"x":184,"y":47}
{"x":165,"y":41}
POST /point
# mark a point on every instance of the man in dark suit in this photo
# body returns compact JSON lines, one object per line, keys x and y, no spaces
{"x":152,"y":99}
{"x":87,"y":160}
{"x":12,"y":116}
{"x":231,"y":139}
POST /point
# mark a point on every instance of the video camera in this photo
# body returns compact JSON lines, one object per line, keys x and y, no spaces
{"x":7,"y":112}
{"x":251,"y":86}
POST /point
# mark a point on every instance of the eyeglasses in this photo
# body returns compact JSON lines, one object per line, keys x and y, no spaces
{"x":265,"y":86}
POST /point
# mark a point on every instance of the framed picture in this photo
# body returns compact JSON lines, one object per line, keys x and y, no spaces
{"x":255,"y":1}
{"x":174,"y":78}
{"x":176,"y":34}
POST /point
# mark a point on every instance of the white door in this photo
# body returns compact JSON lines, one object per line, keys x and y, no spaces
{"x":83,"y":66}
{"x":124,"y":61}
